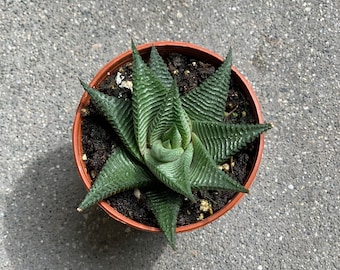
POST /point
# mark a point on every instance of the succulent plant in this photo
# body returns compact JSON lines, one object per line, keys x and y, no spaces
{"x":172,"y":144}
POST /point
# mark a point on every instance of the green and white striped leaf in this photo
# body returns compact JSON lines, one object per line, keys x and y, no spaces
{"x":159,"y":68}
{"x":174,"y":174}
{"x":120,"y":172}
{"x":207,"y":102}
{"x":171,"y":113}
{"x":147,"y":99}
{"x":165,"y":205}
{"x":118,"y":112}
{"x":224,"y":140}
{"x":204,"y":173}
{"x":164,"y":119}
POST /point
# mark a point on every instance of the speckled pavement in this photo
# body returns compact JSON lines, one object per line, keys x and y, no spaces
{"x":289,"y":51}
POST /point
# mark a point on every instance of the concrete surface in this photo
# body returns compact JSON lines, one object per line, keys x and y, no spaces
{"x":289,"y":50}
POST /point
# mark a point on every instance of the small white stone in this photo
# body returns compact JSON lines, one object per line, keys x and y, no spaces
{"x":205,"y":205}
{"x":137,"y":193}
{"x":290,"y":186}
{"x":127,"y":84}
{"x":119,"y":78}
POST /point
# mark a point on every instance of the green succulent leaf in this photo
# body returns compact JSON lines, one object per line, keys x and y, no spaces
{"x":224,"y":140}
{"x":159,"y":68}
{"x":165,"y":205}
{"x":172,"y":138}
{"x":174,"y":174}
{"x":171,"y":114}
{"x":118,"y":112}
{"x":172,"y":144}
{"x":207,"y":102}
{"x":163,"y":154}
{"x":147,"y":99}
{"x":204,"y":173}
{"x":120,"y":172}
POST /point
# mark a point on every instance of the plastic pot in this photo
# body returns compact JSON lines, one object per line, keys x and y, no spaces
{"x":164,"y":48}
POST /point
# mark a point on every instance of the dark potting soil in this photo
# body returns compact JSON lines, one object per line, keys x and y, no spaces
{"x":99,"y":140}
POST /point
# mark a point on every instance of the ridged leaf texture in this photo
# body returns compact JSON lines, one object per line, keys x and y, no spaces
{"x":207,"y":102}
{"x":205,"y":174}
{"x":172,"y":144}
{"x":159,"y":68}
{"x":119,"y":173}
{"x":224,"y":140}
{"x":147,"y":99}
{"x":165,"y":205}
{"x":171,"y":116}
{"x":118,"y":112}
{"x":174,"y":174}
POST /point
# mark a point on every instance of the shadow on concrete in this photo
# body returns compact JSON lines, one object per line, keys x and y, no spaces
{"x":44,"y":230}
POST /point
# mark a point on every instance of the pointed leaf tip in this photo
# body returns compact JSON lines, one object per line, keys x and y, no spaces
{"x":133,"y":46}
{"x":137,"y":59}
{"x":159,"y":67}
{"x":230,"y":53}
{"x":147,"y":99}
{"x":83,"y":84}
{"x":165,"y":205}
{"x":120,"y":172}
{"x":224,"y":140}
{"x":207,"y":101}
{"x":206,"y":175}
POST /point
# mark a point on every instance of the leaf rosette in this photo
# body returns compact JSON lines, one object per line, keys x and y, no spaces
{"x":172,"y":144}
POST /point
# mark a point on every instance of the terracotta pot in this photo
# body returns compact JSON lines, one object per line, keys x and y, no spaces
{"x":164,"y":48}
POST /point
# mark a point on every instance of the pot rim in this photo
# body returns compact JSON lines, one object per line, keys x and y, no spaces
{"x":112,"y":66}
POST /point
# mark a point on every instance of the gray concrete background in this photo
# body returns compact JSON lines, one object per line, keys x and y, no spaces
{"x":289,"y":50}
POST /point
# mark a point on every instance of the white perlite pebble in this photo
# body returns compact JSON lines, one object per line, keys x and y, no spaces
{"x":290,"y":186}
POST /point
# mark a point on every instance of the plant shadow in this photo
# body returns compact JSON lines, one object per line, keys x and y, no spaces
{"x":43,"y":230}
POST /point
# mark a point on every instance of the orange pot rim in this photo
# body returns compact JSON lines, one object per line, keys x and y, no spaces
{"x":112,"y":66}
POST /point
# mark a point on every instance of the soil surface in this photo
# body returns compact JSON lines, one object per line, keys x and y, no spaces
{"x":99,"y":140}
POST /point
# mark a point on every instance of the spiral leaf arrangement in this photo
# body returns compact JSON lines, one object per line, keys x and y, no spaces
{"x":172,"y":144}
